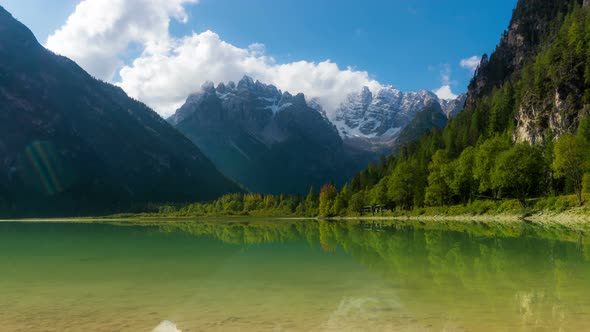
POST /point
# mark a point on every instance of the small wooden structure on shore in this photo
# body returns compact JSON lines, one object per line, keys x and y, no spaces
{"x":379,"y":208}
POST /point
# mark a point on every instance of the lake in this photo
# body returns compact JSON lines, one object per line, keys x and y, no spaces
{"x":287,"y":275}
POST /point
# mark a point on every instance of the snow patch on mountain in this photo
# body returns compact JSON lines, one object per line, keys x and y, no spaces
{"x":382,"y":114}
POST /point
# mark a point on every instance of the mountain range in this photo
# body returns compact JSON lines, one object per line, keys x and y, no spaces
{"x":274,"y":142}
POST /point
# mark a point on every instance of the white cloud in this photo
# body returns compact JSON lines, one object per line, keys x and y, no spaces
{"x":445,"y":91}
{"x":98,"y":31}
{"x":169,"y":69}
{"x":470,"y":63}
{"x":164,"y":79}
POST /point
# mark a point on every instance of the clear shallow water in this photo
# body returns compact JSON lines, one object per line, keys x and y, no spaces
{"x":293,"y":276}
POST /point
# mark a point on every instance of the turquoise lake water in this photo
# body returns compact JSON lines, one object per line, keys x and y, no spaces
{"x":286,"y":275}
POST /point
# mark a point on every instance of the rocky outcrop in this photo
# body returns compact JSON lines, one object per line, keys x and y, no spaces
{"x":538,"y":117}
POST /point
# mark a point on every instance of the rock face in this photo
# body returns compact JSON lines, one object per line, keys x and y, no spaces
{"x":72,"y":145}
{"x":268,"y":140}
{"x":536,"y":116}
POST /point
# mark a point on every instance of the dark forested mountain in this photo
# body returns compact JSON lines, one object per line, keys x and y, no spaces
{"x":70,"y":144}
{"x":269,"y":141}
{"x":524,"y":131}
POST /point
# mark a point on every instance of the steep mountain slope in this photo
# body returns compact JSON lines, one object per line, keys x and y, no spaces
{"x":267,"y":140}
{"x":532,"y":24}
{"x":71,"y":145}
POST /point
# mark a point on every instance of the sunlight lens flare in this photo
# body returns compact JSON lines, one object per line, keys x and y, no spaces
{"x":44,"y":167}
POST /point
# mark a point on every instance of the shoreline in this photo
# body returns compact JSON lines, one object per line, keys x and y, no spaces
{"x":567,"y":217}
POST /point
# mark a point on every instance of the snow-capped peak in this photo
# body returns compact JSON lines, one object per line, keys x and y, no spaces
{"x":383,"y":113}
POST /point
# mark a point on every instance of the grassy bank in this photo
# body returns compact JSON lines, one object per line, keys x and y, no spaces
{"x":559,"y":208}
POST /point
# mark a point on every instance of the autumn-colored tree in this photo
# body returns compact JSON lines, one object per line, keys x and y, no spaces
{"x":327,"y":198}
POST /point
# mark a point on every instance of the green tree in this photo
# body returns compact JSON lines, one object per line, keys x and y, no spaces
{"x":378,"y":194}
{"x":357,"y":202}
{"x":571,"y":161}
{"x":463,"y":183}
{"x":438,"y":191}
{"x":311,"y":203}
{"x":485,"y":160}
{"x":401,"y":185}
{"x":518,"y":172}
{"x":340,"y":205}
{"x":252,"y":202}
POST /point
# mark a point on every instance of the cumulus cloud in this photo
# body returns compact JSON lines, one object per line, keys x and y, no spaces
{"x":470,"y":63}
{"x":164,"y":79}
{"x":445,"y":91}
{"x":168,"y":69}
{"x":99,"y":31}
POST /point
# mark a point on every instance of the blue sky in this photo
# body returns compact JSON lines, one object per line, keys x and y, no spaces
{"x":411,"y":45}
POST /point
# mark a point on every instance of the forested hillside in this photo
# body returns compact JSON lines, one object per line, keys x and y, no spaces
{"x":523,"y":134}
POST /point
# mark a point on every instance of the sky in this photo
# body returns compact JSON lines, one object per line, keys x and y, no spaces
{"x":160,"y":51}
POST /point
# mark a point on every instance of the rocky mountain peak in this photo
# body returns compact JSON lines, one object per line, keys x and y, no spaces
{"x":366,"y":95}
{"x":388,"y":93}
{"x":299,"y":100}
{"x":245,"y":83}
{"x":208,"y":87}
{"x":221,"y":88}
